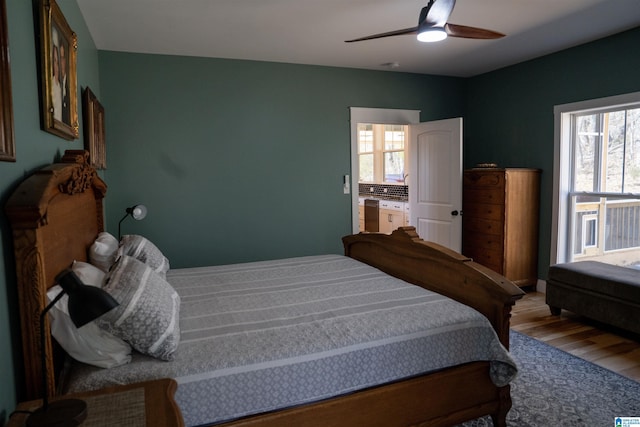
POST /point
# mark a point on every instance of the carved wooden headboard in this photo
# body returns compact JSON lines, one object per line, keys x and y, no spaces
{"x":55,"y":215}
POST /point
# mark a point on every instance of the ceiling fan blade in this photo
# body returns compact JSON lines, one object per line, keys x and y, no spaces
{"x":471,"y":32}
{"x":412,"y":30}
{"x":436,"y":13}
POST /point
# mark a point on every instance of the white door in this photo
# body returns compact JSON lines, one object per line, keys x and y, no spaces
{"x":435,"y":181}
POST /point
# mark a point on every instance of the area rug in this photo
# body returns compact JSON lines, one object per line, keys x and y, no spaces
{"x":555,"y":388}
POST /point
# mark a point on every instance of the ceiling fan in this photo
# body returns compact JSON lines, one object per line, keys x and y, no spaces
{"x":433,"y":26}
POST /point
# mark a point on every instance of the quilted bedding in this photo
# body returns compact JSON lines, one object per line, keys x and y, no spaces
{"x":267,"y":335}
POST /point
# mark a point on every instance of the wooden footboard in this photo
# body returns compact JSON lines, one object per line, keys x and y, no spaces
{"x":442,"y":398}
{"x":405,"y":255}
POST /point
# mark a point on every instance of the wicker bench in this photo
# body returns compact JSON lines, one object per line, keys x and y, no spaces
{"x":603,"y":292}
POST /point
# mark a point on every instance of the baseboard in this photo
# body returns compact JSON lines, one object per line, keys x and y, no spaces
{"x":541,"y":286}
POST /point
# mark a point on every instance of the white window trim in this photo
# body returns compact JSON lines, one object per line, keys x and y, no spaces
{"x":585,"y":220}
{"x":561,"y":165}
{"x":371,"y":115}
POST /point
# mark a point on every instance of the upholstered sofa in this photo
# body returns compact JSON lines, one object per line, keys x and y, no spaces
{"x":603,"y":292}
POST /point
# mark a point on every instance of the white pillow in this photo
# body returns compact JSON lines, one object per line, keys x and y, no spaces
{"x":89,"y":274}
{"x":102,"y":252}
{"x":88,"y":344}
{"x":148,"y":314}
{"x":144,"y":250}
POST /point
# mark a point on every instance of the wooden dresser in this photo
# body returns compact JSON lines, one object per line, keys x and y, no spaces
{"x":500,"y":221}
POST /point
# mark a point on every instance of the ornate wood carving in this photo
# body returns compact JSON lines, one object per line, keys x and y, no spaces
{"x":29,"y":269}
{"x":81,"y":179}
{"x":36,"y":245}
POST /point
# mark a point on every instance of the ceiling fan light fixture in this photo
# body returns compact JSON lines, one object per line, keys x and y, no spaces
{"x":432,"y":34}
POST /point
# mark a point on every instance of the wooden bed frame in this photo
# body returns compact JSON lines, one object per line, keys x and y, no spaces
{"x":57,"y":212}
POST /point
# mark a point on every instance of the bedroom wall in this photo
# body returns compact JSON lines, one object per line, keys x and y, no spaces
{"x":510,"y":111}
{"x":34,"y":149}
{"x":255,"y":151}
{"x":243,"y":160}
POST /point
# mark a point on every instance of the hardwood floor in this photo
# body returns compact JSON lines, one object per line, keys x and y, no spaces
{"x":605,"y":346}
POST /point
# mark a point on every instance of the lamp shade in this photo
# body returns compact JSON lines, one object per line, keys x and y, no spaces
{"x":86,"y":303}
{"x":138,"y":212}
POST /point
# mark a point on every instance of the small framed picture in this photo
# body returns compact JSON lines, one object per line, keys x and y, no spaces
{"x":59,"y":94}
{"x":94,"y":133}
{"x":7,"y":141}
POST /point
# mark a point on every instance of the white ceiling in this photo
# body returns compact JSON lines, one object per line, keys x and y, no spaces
{"x":313,"y":31}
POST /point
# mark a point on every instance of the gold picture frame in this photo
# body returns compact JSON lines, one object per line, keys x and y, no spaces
{"x":94,"y":130}
{"x":58,"y":47}
{"x":7,"y":141}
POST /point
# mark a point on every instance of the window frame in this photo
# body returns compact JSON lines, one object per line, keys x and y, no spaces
{"x":371,"y":153}
{"x":380,"y":151}
{"x":386,"y":151}
{"x":562,"y":212}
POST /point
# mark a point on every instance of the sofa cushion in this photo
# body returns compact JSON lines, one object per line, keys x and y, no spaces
{"x":615,"y":281}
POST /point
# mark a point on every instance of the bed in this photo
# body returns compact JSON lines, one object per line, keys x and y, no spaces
{"x":56,"y":214}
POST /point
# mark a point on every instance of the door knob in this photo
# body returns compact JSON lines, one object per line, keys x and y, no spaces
{"x":454,"y":213}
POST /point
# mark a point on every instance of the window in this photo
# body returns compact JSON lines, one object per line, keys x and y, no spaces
{"x":606,"y":150}
{"x":599,"y":190}
{"x":381,"y":152}
{"x":366,"y":152}
{"x":394,"y":153}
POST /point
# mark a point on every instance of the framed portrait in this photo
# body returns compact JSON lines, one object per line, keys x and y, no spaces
{"x":7,"y":141}
{"x":58,"y":48}
{"x":94,"y":134}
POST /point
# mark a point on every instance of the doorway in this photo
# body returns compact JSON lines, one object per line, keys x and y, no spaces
{"x":434,"y":177}
{"x":371,"y":115}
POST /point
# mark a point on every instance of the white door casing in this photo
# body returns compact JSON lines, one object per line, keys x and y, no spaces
{"x":435,"y":181}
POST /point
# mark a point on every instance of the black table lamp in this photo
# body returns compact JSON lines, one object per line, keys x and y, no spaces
{"x":137,"y":212}
{"x":86,"y":303}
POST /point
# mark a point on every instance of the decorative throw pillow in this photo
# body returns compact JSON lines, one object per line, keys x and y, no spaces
{"x":102,"y":252}
{"x":148,"y":314}
{"x":144,"y":250}
{"x":88,"y":344}
{"x":88,"y":274}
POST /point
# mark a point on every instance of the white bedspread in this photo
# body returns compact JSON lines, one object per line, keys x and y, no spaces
{"x":266,"y":335}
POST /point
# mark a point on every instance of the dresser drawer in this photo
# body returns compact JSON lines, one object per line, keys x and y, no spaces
{"x":484,"y":178}
{"x":483,"y":211}
{"x":490,"y":259}
{"x":482,"y":225}
{"x":472,"y":195}
{"x":475,"y":241}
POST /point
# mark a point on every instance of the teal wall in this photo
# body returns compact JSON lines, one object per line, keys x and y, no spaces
{"x":187,"y":135}
{"x":510,"y":120}
{"x":34,"y":149}
{"x":243,"y":160}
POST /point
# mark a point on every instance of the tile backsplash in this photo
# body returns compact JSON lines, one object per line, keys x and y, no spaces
{"x":384,"y":191}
